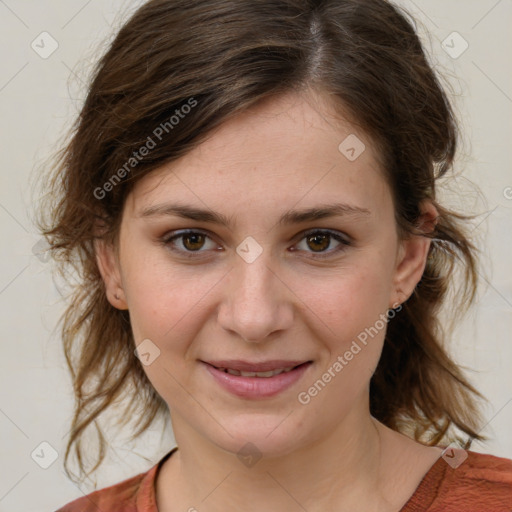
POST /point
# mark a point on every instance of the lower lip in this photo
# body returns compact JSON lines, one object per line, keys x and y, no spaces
{"x":257,"y":387}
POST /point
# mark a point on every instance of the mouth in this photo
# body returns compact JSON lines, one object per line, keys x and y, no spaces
{"x":251,"y":381}
{"x":263,"y":369}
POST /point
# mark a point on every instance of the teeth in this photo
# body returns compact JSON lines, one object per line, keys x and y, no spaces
{"x":270,"y":373}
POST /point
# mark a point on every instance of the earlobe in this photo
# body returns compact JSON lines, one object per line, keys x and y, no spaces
{"x":108,"y":266}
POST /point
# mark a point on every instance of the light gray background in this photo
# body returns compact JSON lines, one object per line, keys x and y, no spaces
{"x":39,"y":99}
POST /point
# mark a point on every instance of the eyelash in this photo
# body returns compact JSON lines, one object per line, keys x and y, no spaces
{"x":168,"y":239}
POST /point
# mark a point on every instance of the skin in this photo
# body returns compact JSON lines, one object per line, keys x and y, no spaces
{"x":329,"y":454}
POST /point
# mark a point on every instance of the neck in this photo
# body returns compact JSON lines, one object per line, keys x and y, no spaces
{"x":338,"y":471}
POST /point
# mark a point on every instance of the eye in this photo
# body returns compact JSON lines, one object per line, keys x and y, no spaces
{"x":191,"y":241}
{"x":320,"y":240}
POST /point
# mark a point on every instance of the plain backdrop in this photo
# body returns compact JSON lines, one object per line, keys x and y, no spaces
{"x":469,"y":43}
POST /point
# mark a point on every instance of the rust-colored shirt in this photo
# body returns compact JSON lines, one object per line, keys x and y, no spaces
{"x":481,"y":483}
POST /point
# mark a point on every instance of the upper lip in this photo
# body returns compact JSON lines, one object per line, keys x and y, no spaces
{"x":263,"y":366}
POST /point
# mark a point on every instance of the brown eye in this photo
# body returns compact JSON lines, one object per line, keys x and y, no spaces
{"x":188,"y":242}
{"x":193,"y":241}
{"x":318,"y":241}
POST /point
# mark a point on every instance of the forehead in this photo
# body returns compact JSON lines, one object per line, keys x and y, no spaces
{"x":286,"y":149}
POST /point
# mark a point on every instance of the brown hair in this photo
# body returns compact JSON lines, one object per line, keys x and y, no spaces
{"x":219,"y":57}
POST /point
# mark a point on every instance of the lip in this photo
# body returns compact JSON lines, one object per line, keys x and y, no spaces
{"x":246,"y":366}
{"x":258,"y":387}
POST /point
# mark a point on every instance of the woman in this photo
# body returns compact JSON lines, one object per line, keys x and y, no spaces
{"x":249,"y":198}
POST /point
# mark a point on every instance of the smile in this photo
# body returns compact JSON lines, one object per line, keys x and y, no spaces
{"x":270,"y":373}
{"x":257,"y":384}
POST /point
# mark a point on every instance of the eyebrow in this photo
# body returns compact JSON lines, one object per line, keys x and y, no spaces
{"x":321,"y":211}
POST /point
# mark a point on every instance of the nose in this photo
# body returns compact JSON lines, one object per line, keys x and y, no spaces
{"x":257,"y":301}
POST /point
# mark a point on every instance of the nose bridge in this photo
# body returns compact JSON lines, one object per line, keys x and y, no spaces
{"x":254,"y":305}
{"x":254,"y":278}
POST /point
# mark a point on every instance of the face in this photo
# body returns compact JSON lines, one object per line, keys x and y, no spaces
{"x":264,"y":287}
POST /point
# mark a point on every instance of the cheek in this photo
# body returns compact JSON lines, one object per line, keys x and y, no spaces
{"x":166,"y":302}
{"x":351,"y":325}
{"x":348,"y":301}
{"x":350,"y":317}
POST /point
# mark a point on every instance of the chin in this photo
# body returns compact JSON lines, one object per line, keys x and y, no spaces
{"x":259,"y":435}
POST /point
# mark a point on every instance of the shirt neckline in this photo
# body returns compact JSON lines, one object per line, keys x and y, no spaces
{"x":427,"y":490}
{"x":146,"y":497}
{"x":420,"y":501}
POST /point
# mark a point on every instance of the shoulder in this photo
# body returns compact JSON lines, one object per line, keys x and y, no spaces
{"x":481,"y":480}
{"x":124,"y":496}
{"x":132,"y":495}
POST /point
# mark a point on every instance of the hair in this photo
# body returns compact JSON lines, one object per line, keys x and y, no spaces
{"x":220,"y":57}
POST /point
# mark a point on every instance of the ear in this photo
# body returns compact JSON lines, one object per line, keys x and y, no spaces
{"x":412,"y":254}
{"x":108,"y":265}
